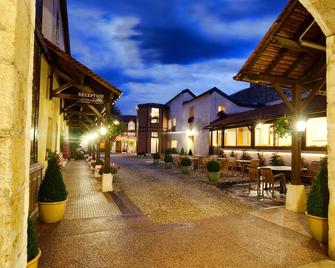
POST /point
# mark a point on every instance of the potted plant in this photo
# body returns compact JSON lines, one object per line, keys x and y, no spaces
{"x":33,"y":251}
{"x":156,"y":157}
{"x":186,"y":165}
{"x":182,"y":152}
{"x":52,"y":195}
{"x":107,"y":178}
{"x":213,"y":168}
{"x":190,"y":153}
{"x":317,"y":205}
{"x":276,"y":160}
{"x":168,"y":159}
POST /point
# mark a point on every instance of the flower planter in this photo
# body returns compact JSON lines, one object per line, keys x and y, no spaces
{"x":50,"y":212}
{"x":107,"y":182}
{"x":96,"y":171}
{"x":186,"y":169}
{"x":155,"y":161}
{"x":168,"y":165}
{"x":213,"y":176}
{"x":318,"y":227}
{"x":34,"y":262}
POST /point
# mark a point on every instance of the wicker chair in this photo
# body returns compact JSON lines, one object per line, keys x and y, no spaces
{"x":311,"y":172}
{"x":254,"y":176}
{"x":269,"y":178}
{"x":226,"y":167}
{"x":232,"y":164}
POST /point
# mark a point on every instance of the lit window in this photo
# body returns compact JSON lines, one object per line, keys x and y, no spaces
{"x":237,"y":137}
{"x":219,"y":137}
{"x":174,"y":122}
{"x":230,"y":137}
{"x":221,"y":108}
{"x":316,"y":132}
{"x":154,"y":134}
{"x":170,"y":124}
{"x":264,"y":135}
{"x":154,"y":115}
{"x":284,"y":141}
{"x":174,"y":144}
{"x":131,"y":125}
{"x":215,"y":138}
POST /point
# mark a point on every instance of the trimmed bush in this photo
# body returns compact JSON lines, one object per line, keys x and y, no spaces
{"x":213,"y":166}
{"x":168,"y":158}
{"x":52,"y":188}
{"x":32,"y":245}
{"x":182,"y":152}
{"x":276,"y":160}
{"x":318,"y":197}
{"x":185,"y":162}
{"x":156,"y":156}
{"x":190,"y":153}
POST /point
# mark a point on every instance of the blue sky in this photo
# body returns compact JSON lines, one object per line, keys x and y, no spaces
{"x":151,"y":50}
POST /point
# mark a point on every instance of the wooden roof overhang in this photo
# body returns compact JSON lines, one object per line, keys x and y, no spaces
{"x":84,"y":95}
{"x":292,"y":53}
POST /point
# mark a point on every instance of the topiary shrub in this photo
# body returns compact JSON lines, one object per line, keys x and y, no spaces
{"x":318,"y":197}
{"x":156,"y":156}
{"x":213,"y":166}
{"x":32,"y":245}
{"x":185,"y":162}
{"x":276,"y":160}
{"x":190,"y":153}
{"x":182,"y":152}
{"x":52,"y":188}
{"x":168,"y":158}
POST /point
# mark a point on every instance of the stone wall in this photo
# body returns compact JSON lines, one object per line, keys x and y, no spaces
{"x":16,"y":59}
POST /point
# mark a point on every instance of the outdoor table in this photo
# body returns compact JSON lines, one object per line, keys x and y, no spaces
{"x":281,"y":168}
{"x":243,"y":164}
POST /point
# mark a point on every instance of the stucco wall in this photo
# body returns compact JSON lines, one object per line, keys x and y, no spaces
{"x":16,"y":60}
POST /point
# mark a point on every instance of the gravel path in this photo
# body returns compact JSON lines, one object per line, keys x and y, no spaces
{"x":167,"y":196}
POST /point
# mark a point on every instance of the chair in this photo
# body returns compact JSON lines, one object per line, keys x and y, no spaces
{"x":254,"y":176}
{"x":269,"y":178}
{"x":232,"y":163}
{"x":312,"y":171}
{"x":225,"y":167}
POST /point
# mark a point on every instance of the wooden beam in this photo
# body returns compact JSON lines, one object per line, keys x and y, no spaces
{"x":77,"y":98}
{"x":270,"y":79}
{"x":284,"y":98}
{"x":67,"y":78}
{"x":95,"y":110}
{"x":314,"y":69}
{"x":79,"y":113}
{"x":84,"y":124}
{"x":312,"y":95}
{"x":295,"y":64}
{"x":290,"y":44}
{"x":277,"y":59}
{"x":61,"y":88}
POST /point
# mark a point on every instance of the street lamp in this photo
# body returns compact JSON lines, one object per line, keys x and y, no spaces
{"x":300,"y":125}
{"x":103,"y":131}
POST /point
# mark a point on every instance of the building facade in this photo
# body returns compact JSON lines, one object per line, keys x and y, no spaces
{"x":126,"y":143}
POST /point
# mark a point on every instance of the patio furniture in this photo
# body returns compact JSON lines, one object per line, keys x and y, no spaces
{"x":269,"y":178}
{"x":243,"y":164}
{"x":254,"y":176}
{"x":226,"y":167}
{"x":232,"y":163}
{"x":311,"y":172}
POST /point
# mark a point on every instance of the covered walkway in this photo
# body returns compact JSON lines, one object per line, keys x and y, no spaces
{"x":95,"y":233}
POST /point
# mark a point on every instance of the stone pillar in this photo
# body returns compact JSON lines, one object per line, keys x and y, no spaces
{"x":16,"y":68}
{"x":331,"y":140}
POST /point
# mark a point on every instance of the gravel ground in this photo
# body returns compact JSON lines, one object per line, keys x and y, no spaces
{"x":167,"y":195}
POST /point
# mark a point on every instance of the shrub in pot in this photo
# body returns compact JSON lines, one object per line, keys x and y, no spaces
{"x":186,"y":165}
{"x":33,"y":252}
{"x":107,"y":177}
{"x":156,"y":157}
{"x":52,"y":195}
{"x":168,"y":159}
{"x":190,"y":153}
{"x":213,"y":168}
{"x":317,"y":205}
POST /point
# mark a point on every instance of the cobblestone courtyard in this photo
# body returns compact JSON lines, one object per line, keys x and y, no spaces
{"x":183,"y":221}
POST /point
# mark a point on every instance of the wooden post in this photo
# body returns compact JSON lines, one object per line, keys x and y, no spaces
{"x":296,"y":137}
{"x":107,"y":138}
{"x":93,"y":151}
{"x":98,"y":150}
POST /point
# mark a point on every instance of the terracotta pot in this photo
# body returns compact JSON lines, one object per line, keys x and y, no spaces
{"x":318,"y":227}
{"x":34,"y":262}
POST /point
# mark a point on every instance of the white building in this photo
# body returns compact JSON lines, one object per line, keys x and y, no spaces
{"x":190,"y":114}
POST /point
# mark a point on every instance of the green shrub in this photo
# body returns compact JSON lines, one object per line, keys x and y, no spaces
{"x":213,"y":166}
{"x":168,"y":151}
{"x":168,"y":158}
{"x":156,"y":156}
{"x":318,"y":197}
{"x":232,"y":154}
{"x":185,"y":162}
{"x":276,"y":160}
{"x":52,"y":188}
{"x":245,"y":156}
{"x":182,"y":152}
{"x":32,"y":245}
{"x":190,"y":153}
{"x":174,"y":151}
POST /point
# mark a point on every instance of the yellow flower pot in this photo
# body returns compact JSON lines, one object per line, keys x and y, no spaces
{"x":50,"y":212}
{"x":318,"y":227}
{"x":34,"y":262}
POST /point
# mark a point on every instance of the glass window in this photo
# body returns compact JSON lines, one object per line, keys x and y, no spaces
{"x":316,"y":132}
{"x":174,"y":122}
{"x":154,"y":134}
{"x":215,"y":138}
{"x":131,"y":125}
{"x":170,"y":124}
{"x":230,"y":137}
{"x":219,"y":137}
{"x":263,"y":135}
{"x":243,"y":136}
{"x":174,"y":144}
{"x":221,"y":108}
{"x":154,"y":115}
{"x":285,"y":141}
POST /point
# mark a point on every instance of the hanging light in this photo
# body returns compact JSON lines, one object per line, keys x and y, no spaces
{"x":116,"y":122}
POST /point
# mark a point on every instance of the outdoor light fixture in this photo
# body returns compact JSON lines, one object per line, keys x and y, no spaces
{"x":95,"y":135}
{"x":300,"y":125}
{"x":103,"y":131}
{"x":190,"y":132}
{"x":116,"y":122}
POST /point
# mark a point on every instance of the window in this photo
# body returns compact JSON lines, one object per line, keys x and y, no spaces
{"x":237,"y":137}
{"x":285,"y":141}
{"x":215,"y":138}
{"x":172,"y":124}
{"x":174,"y":144}
{"x":154,"y":142}
{"x":219,"y":137}
{"x":221,"y":108}
{"x":131,"y":126}
{"x":264,"y":135}
{"x":316,"y":132}
{"x":154,"y":115}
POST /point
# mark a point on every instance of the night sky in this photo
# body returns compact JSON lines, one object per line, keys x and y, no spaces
{"x":151,"y":50}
